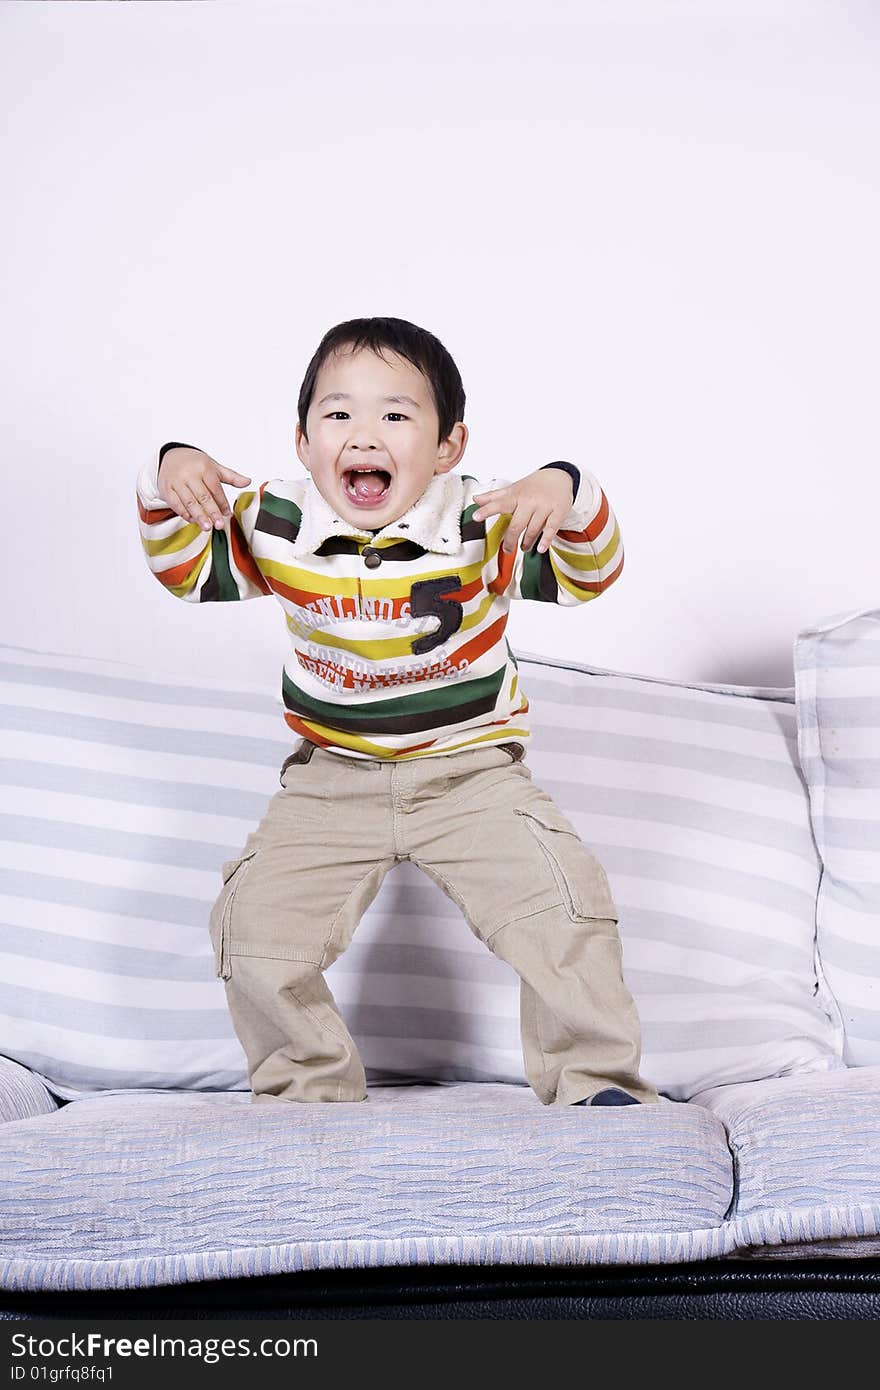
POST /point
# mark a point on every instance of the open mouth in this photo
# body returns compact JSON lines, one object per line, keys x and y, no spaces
{"x":367,"y":487}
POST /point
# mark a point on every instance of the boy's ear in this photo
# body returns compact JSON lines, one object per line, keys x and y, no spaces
{"x":302,"y":445}
{"x":455,"y":447}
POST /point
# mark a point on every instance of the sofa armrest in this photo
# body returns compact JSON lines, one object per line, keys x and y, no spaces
{"x":22,"y":1095}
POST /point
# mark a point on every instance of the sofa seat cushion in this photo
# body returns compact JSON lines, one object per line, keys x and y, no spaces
{"x":806,"y":1152}
{"x":146,"y":1189}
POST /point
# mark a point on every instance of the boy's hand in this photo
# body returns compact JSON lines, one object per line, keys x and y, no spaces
{"x":190,"y":483}
{"x":536,"y":503}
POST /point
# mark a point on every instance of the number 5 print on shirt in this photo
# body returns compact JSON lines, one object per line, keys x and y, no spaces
{"x":426,"y":599}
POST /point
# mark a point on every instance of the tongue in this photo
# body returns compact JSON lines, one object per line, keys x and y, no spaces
{"x":368,"y":485}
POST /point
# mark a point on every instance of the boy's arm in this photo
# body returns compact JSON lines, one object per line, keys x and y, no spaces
{"x":584,"y":558}
{"x":196,"y":565}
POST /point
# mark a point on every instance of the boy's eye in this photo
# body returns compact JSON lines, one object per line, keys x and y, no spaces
{"x":345,"y":412}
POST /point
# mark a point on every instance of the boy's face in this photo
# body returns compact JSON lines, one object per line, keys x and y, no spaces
{"x":398,"y":438}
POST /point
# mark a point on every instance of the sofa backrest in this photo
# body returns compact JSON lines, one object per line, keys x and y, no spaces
{"x":124,"y":790}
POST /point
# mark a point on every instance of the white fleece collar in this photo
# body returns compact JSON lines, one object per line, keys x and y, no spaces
{"x":433,"y":521}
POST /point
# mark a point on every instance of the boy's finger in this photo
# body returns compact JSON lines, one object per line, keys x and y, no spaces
{"x":511,"y":537}
{"x":206,"y":507}
{"x":215,"y":502}
{"x":490,"y":501}
{"x":178,"y":505}
{"x":491,"y":506}
{"x":524,"y":525}
{"x":551,"y":531}
{"x":539,"y":526}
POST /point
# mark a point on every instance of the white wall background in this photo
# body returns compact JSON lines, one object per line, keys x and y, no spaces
{"x":647,"y":231}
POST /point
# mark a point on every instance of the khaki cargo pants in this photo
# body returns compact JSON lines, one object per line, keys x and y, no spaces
{"x":496,"y":844}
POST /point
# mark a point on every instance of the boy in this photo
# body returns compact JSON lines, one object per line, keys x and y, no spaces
{"x":389,"y":577}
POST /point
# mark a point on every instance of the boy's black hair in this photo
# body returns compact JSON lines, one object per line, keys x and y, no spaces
{"x":416,"y":344}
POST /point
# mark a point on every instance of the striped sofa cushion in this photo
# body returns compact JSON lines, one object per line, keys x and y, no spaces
{"x":22,"y":1095}
{"x":837,"y":681}
{"x":124,"y":791}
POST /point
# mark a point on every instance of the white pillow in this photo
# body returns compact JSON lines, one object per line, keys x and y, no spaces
{"x":124,"y":791}
{"x":837,"y":681}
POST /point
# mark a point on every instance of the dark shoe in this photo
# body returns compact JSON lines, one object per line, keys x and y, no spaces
{"x":610,"y":1096}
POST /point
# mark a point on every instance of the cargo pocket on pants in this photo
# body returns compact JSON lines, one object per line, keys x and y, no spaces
{"x":580,"y":877}
{"x":233,"y":872}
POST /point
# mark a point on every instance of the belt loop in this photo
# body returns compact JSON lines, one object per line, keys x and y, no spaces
{"x":302,"y":754}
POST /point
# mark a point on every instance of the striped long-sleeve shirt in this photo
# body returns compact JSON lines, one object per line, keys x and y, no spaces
{"x":397,"y":637}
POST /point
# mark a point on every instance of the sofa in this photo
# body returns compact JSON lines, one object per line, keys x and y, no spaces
{"x":740,"y":830}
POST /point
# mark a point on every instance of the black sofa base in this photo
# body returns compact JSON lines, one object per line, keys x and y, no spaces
{"x":834,"y":1289}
